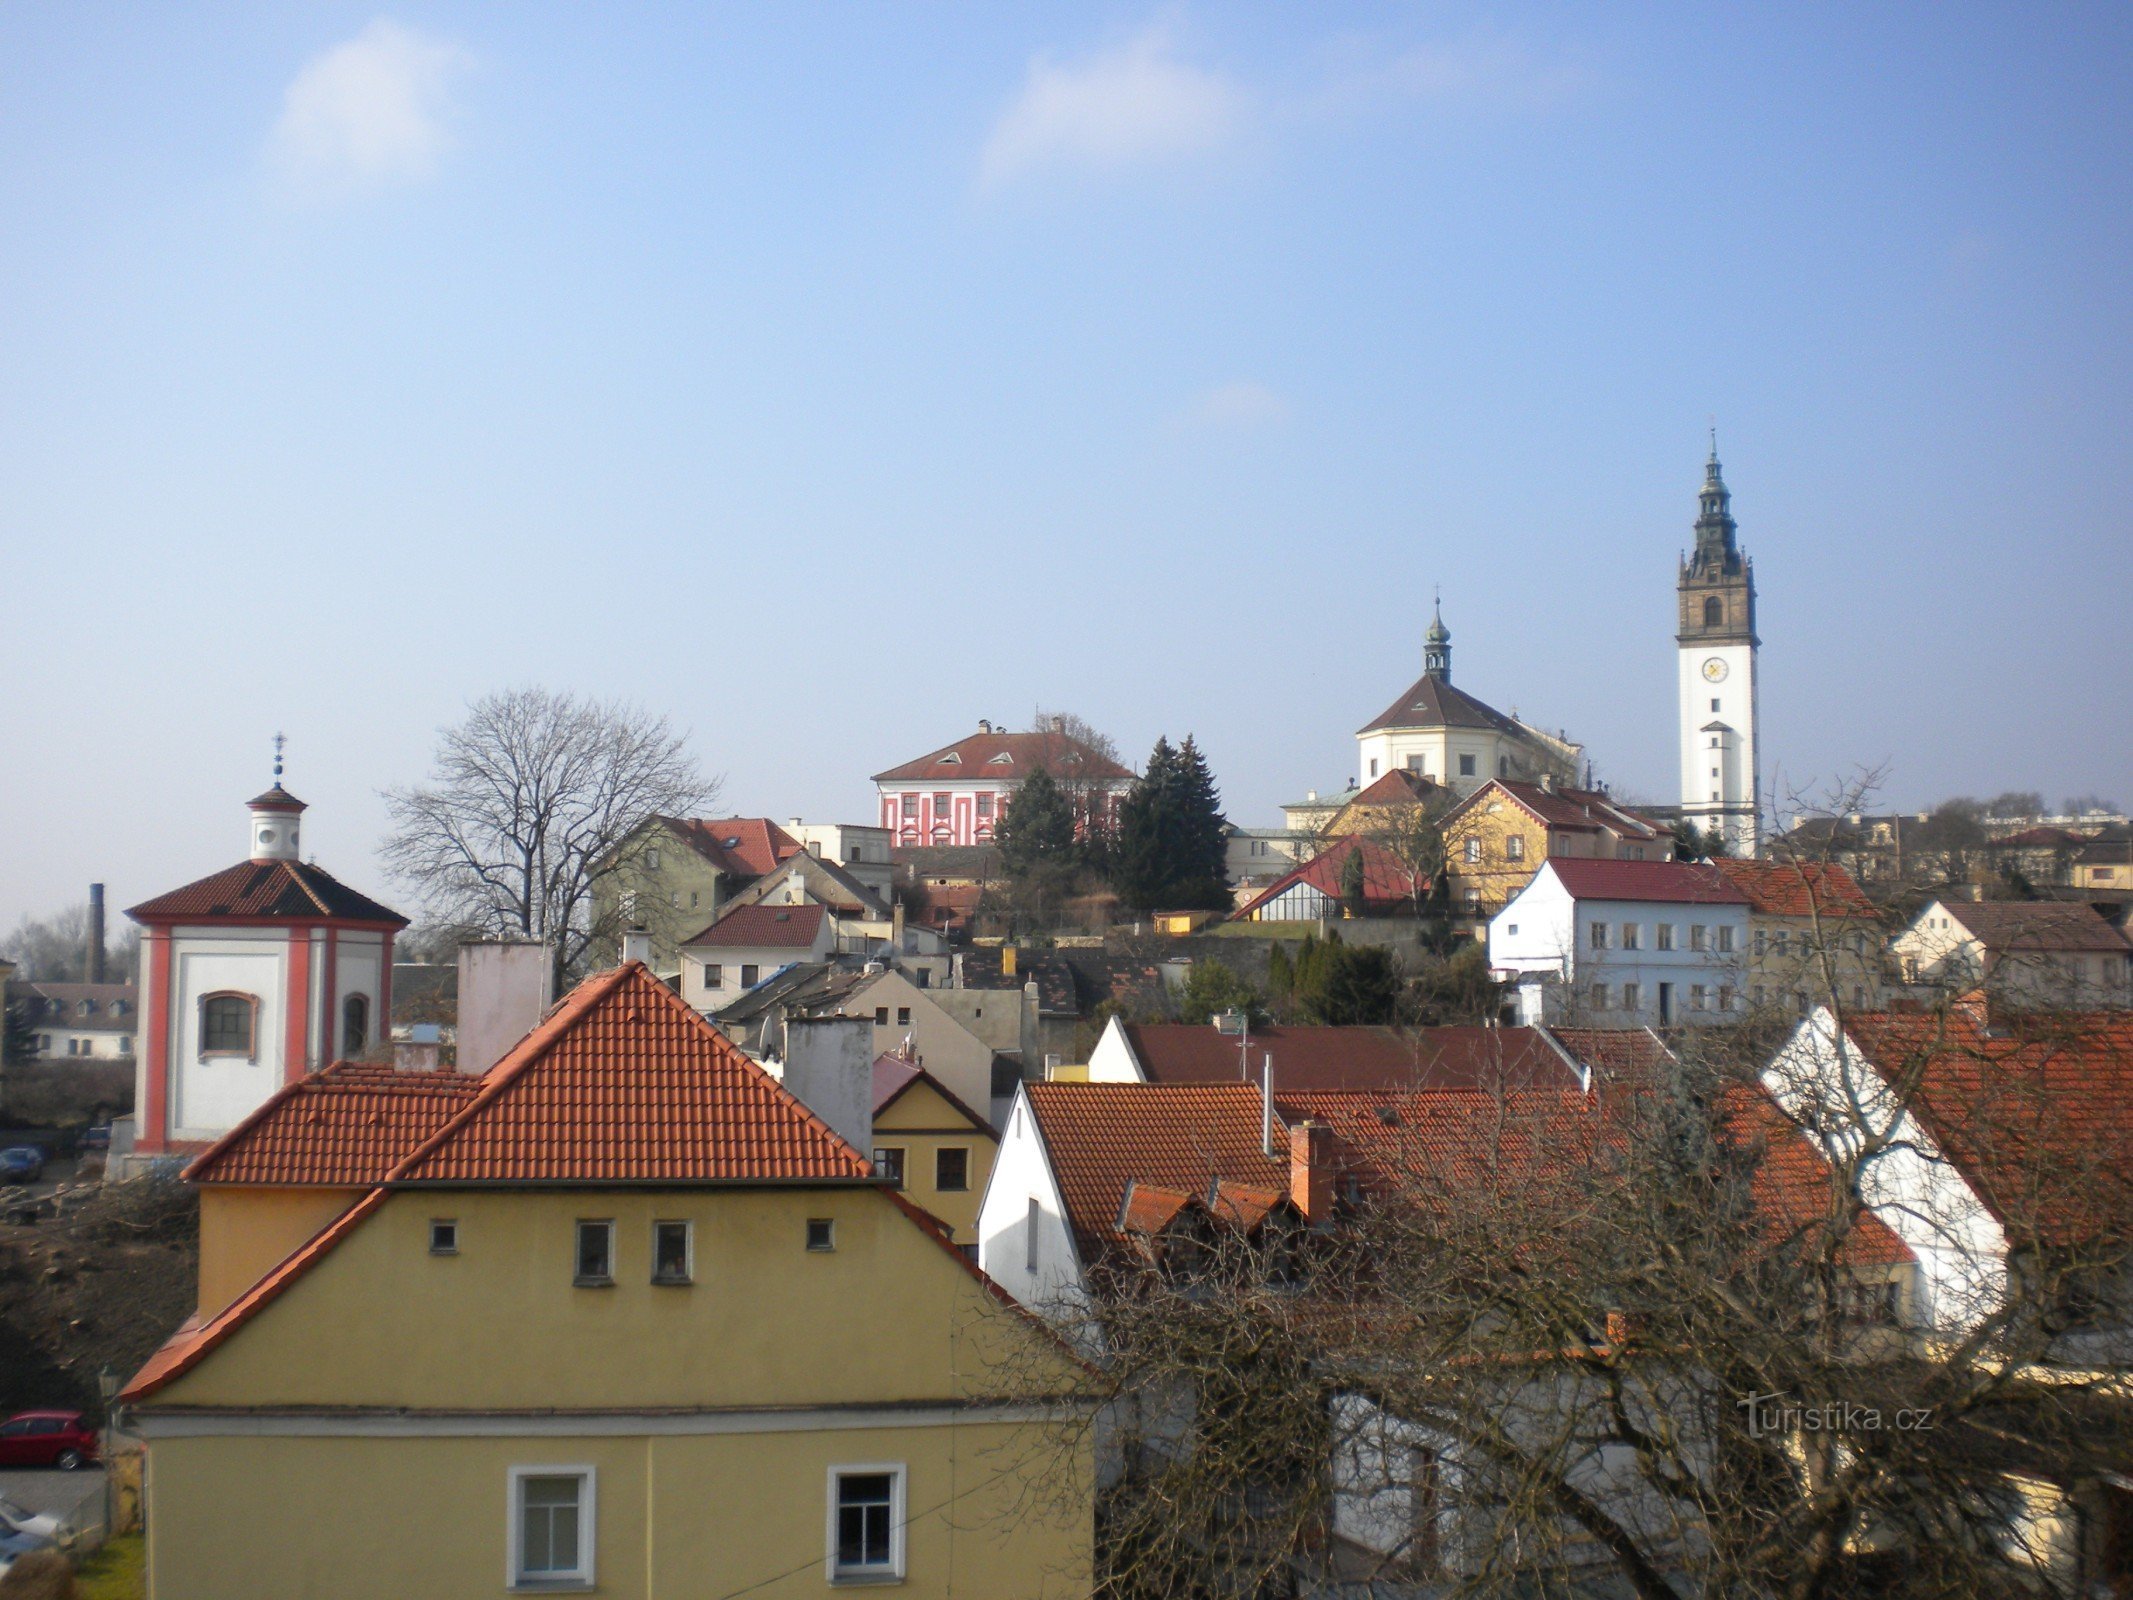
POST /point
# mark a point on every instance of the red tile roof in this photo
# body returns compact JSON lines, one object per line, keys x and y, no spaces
{"x":2036,"y":1111}
{"x":1398,"y":787}
{"x":2037,"y":925}
{"x":1388,"y":882}
{"x":979,"y":758}
{"x":1672,"y":882}
{"x":625,"y":1083}
{"x":347,"y":1126}
{"x":621,"y":1083}
{"x":1101,"y":1136}
{"x":274,"y":891}
{"x":762,"y":927}
{"x":743,"y":847}
{"x":1576,"y":810}
{"x":1797,"y":888}
{"x":1351,"y":1058}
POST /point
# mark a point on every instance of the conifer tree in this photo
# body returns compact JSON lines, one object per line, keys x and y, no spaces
{"x":1170,"y":850}
{"x":1037,"y":828}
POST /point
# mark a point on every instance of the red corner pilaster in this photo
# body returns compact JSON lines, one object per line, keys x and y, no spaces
{"x":296,"y":1047}
{"x":154,"y":1130}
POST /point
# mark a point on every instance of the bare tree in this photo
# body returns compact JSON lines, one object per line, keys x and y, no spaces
{"x":526,"y":802}
{"x":55,"y":949}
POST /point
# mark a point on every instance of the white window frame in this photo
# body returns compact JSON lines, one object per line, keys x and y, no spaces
{"x":515,"y":1577}
{"x":894,"y":1571}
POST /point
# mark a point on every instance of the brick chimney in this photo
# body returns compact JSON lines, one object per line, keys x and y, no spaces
{"x":1311,"y":1172}
{"x":95,"y":952}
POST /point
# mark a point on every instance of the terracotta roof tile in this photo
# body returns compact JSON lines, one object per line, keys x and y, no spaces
{"x":1387,"y":881}
{"x":1578,"y":810}
{"x":1351,"y":1057}
{"x":1797,"y":888}
{"x":275,"y":890}
{"x":744,"y":847}
{"x":625,"y":1083}
{"x":347,"y":1126}
{"x":762,"y":927}
{"x":1673,"y":882}
{"x":978,"y":758}
{"x":2037,"y":925}
{"x":2035,"y":1110}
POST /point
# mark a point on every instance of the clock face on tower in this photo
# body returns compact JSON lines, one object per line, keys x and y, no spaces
{"x":1714,"y":670}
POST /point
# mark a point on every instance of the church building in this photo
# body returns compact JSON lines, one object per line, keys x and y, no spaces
{"x":1721,"y":773}
{"x":251,"y":978}
{"x":1444,"y":734}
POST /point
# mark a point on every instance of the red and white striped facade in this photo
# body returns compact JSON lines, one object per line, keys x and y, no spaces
{"x":958,"y":794}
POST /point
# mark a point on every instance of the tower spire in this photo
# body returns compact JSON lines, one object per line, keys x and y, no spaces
{"x":1437,"y":643}
{"x":279,"y":741}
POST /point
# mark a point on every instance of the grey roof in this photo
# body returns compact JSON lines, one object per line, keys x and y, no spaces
{"x":972,"y":863}
{"x":1432,"y":702}
{"x":112,"y":1007}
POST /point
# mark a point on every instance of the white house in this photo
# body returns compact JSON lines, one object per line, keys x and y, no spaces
{"x":2049,"y":953}
{"x":750,"y":943}
{"x":1624,"y":944}
{"x":78,"y":1021}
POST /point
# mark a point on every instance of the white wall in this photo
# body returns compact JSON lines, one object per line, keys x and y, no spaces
{"x":209,"y":1097}
{"x":1113,"y":1060}
{"x":358,"y":969}
{"x":1552,"y":943}
{"x":1740,"y":772}
{"x":1022,"y":1173}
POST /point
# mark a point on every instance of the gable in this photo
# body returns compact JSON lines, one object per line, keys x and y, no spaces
{"x":921,"y":1104}
{"x":380,"y":1322}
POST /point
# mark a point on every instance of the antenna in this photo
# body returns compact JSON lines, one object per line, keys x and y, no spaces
{"x":279,"y":741}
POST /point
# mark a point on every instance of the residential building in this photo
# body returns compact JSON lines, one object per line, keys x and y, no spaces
{"x":672,"y":875}
{"x":937,"y":1148}
{"x":1443,"y":733}
{"x":861,"y":850}
{"x":2103,"y":863}
{"x":1305,"y":1059}
{"x":1497,"y":837}
{"x":2053,"y":954}
{"x":1308,"y":817}
{"x":1721,"y":758}
{"x":796,"y":1372}
{"x":956,"y":795}
{"x":2002,"y":1142}
{"x":748,"y":944}
{"x":1624,"y":943}
{"x":249,"y":979}
{"x":1317,"y":890}
{"x":1814,"y":936}
{"x":77,"y":1021}
{"x":1257,"y":856}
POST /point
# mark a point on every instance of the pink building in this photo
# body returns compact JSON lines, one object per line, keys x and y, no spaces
{"x":957,"y":794}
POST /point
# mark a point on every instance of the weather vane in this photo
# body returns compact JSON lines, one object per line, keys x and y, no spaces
{"x":279,"y":741}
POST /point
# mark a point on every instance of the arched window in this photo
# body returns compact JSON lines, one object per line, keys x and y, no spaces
{"x":355,"y":1024}
{"x":1714,"y":612}
{"x":228,"y":1023}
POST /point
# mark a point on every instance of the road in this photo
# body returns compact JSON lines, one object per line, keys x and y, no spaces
{"x":77,"y":1496}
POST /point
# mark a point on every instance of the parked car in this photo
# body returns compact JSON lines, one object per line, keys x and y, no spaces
{"x":47,"y":1439}
{"x":95,"y":1137}
{"x":19,"y":1519}
{"x":21,"y":1163}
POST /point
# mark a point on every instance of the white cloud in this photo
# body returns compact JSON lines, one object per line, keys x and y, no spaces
{"x":370,"y":112}
{"x":1237,"y":406}
{"x":1135,"y":104}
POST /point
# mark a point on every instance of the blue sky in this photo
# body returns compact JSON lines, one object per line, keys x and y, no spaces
{"x":831,"y":377}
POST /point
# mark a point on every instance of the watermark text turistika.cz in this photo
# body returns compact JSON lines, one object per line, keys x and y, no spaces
{"x":1770,"y":1414}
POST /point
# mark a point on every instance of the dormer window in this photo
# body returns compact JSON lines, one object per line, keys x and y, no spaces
{"x":1003,"y":759}
{"x":953,"y":758}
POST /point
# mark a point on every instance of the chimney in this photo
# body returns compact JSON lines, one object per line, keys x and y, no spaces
{"x":636,"y":946}
{"x":984,"y":726}
{"x":896,"y":923}
{"x":955,"y":970}
{"x":1007,"y":961}
{"x":95,"y":963}
{"x":829,"y":1068}
{"x":1266,"y":1107}
{"x":505,"y":986}
{"x":1547,"y":783}
{"x":1311,"y":1172}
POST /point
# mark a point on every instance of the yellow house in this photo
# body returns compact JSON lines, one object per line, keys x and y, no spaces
{"x":1497,"y":837}
{"x":939,"y":1149}
{"x":622,"y":1318}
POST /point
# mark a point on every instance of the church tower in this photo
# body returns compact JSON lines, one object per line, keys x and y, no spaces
{"x":1721,"y":772}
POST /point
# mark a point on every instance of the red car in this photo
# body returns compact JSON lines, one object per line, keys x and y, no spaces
{"x":47,"y":1439}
